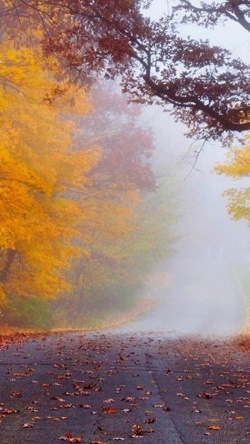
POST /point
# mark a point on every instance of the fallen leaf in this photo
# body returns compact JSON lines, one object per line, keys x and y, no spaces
{"x":139,"y":432}
{"x":16,"y":395}
{"x":66,"y":406}
{"x":76,"y":440}
{"x":214,"y":427}
{"x":9,"y":412}
{"x":85,"y":406}
{"x":150,"y":420}
{"x":89,"y":386}
{"x":69,"y":438}
{"x":109,"y":410}
{"x":96,"y":442}
{"x":205,"y":396}
{"x":129,"y":399}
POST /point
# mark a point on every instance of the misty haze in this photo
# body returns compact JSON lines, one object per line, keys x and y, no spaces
{"x":124,"y":164}
{"x":199,"y":288}
{"x":124,"y":221}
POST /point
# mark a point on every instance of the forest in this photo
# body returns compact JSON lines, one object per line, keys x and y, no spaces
{"x":84,"y":213}
{"x":84,"y":216}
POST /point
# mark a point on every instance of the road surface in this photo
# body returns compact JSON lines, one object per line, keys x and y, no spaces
{"x":110,"y":387}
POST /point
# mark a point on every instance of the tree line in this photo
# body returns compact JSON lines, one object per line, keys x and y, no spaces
{"x":76,"y":184}
{"x":76,"y":179}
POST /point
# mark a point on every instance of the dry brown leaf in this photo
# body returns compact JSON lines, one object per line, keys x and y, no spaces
{"x":109,"y":410}
{"x":139,"y":432}
{"x":150,"y":420}
{"x":16,"y":395}
{"x":69,"y":438}
{"x":214,"y":427}
{"x":96,"y":442}
{"x":205,"y":395}
{"x":85,"y":406}
{"x":129,"y":399}
{"x":109,"y":401}
{"x":9,"y":412}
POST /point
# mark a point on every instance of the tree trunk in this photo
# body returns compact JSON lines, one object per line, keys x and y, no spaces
{"x":10,"y":256}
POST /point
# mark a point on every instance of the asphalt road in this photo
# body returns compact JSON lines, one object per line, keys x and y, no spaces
{"x":103,"y":388}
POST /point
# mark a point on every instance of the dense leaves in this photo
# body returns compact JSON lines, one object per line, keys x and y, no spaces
{"x":38,"y":221}
{"x":204,"y":85}
{"x":74,"y":173}
{"x":237,"y":166}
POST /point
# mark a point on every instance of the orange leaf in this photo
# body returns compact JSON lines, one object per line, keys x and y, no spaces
{"x":109,"y":410}
{"x":214,"y":427}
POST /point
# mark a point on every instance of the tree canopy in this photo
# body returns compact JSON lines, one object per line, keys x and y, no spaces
{"x":75,"y":174}
{"x":213,"y":13}
{"x":203,"y":84}
{"x":37,"y":165}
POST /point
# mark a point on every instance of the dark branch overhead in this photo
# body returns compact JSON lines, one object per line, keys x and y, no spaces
{"x":210,"y":13}
{"x":204,"y":86}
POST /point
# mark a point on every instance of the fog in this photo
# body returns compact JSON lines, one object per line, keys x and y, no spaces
{"x":117,"y":229}
{"x":200,"y":292}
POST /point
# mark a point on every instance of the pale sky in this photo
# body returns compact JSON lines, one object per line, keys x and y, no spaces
{"x":230,"y":36}
{"x":174,"y":146}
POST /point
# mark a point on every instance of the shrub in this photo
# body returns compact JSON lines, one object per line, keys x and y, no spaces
{"x":26,"y":312}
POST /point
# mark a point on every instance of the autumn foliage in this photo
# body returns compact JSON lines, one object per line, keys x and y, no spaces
{"x":155,"y":60}
{"x":37,"y":166}
{"x":74,"y":173}
{"x":237,"y":166}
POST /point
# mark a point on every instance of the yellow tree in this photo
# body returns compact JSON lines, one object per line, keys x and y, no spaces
{"x":109,"y":223}
{"x":39,"y":218}
{"x":238,"y":167}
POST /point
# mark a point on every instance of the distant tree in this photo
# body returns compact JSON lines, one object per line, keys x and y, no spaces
{"x":127,"y":148}
{"x":120,"y":182}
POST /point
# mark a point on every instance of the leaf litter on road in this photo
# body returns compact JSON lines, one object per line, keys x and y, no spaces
{"x":77,"y":375}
